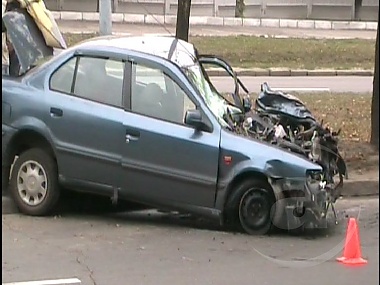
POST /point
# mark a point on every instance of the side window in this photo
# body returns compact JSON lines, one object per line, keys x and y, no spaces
{"x":156,"y":95}
{"x":62,"y":78}
{"x":96,"y":79}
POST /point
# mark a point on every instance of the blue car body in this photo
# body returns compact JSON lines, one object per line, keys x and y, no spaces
{"x":111,"y":150}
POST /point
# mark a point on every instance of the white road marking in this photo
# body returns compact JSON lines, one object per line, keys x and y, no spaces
{"x":48,"y":282}
{"x":302,"y":89}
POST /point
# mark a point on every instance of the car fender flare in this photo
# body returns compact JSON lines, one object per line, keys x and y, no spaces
{"x":34,"y":125}
{"x":240,"y":171}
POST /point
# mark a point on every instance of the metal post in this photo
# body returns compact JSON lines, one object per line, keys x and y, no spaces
{"x":105,"y":17}
{"x":263,"y":9}
{"x":166,"y":7}
{"x":115,"y":6}
{"x":215,"y":8}
{"x":309,"y":8}
{"x":60,"y":4}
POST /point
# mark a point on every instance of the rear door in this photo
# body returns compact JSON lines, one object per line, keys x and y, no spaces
{"x":85,"y":113}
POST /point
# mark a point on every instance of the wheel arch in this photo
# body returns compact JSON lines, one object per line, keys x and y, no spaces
{"x":26,"y":139}
{"x":243,"y":176}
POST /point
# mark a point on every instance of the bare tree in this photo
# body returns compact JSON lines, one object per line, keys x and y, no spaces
{"x":183,"y":20}
{"x":375,"y":95}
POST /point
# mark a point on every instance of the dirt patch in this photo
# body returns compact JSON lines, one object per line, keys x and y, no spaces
{"x":352,"y":113}
{"x":362,"y":159}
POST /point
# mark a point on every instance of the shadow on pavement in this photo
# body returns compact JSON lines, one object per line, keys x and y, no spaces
{"x":82,"y":205}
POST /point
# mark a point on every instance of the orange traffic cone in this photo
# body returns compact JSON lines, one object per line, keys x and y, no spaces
{"x":352,"y":252}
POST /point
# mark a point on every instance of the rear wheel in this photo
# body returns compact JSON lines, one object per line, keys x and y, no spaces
{"x":34,"y":182}
{"x":252,"y":205}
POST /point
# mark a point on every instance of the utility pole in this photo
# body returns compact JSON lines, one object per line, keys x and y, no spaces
{"x":105,"y":17}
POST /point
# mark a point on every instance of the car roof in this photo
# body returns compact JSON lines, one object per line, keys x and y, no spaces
{"x":168,"y":47}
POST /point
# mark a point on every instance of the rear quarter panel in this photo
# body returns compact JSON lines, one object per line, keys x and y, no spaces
{"x":24,"y":107}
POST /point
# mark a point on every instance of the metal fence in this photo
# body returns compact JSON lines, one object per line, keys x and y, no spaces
{"x":365,"y":10}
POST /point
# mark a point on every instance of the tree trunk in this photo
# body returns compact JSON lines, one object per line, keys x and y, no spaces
{"x":239,"y":8}
{"x":375,"y":95}
{"x":183,"y":20}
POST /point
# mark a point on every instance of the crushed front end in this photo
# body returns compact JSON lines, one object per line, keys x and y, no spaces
{"x":305,"y":202}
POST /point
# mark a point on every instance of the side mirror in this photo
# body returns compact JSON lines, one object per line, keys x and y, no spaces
{"x":247,"y":105}
{"x":194,"y":118}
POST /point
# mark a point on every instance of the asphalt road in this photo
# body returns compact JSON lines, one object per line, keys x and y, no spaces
{"x":308,"y":84}
{"x":356,"y":84}
{"x":147,"y":248}
{"x":141,"y":29}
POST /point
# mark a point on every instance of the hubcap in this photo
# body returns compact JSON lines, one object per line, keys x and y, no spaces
{"x":32,"y":183}
{"x":254,"y":210}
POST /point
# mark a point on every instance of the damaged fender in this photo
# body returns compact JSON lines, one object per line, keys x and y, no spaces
{"x":287,"y":166}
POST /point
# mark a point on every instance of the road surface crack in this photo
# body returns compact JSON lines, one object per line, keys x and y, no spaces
{"x":91,"y":273}
{"x":85,"y":265}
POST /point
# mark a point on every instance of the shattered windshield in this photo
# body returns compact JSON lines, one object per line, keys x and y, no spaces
{"x":217,"y":104}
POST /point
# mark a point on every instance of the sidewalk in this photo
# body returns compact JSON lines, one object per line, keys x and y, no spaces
{"x":221,"y":21}
{"x":80,"y":26}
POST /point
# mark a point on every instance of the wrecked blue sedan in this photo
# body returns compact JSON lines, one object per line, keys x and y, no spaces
{"x":137,"y":119}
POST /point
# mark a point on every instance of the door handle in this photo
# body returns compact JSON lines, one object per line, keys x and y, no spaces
{"x":129,"y":138}
{"x":132,"y":135}
{"x":56,"y":112}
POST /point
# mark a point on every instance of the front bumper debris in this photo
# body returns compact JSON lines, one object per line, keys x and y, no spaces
{"x":306,"y":204}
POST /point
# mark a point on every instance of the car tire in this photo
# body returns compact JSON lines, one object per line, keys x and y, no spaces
{"x":251,"y":206}
{"x":34,"y":182}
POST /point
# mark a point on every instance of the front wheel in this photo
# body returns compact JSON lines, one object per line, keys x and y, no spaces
{"x":252,"y":205}
{"x":34,"y":182}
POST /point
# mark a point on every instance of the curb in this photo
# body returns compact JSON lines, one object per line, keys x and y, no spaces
{"x":291,"y":72}
{"x":220,"y":21}
{"x":359,"y":188}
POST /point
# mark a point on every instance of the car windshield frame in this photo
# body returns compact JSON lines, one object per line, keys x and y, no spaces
{"x":219,"y":106}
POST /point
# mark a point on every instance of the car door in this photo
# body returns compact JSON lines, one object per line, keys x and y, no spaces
{"x":166,"y":162}
{"x":85,"y":114}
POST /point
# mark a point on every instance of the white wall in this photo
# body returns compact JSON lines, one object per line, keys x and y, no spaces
{"x":296,"y":9}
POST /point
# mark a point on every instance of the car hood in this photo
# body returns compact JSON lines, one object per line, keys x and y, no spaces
{"x":271,"y":160}
{"x":27,"y":40}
